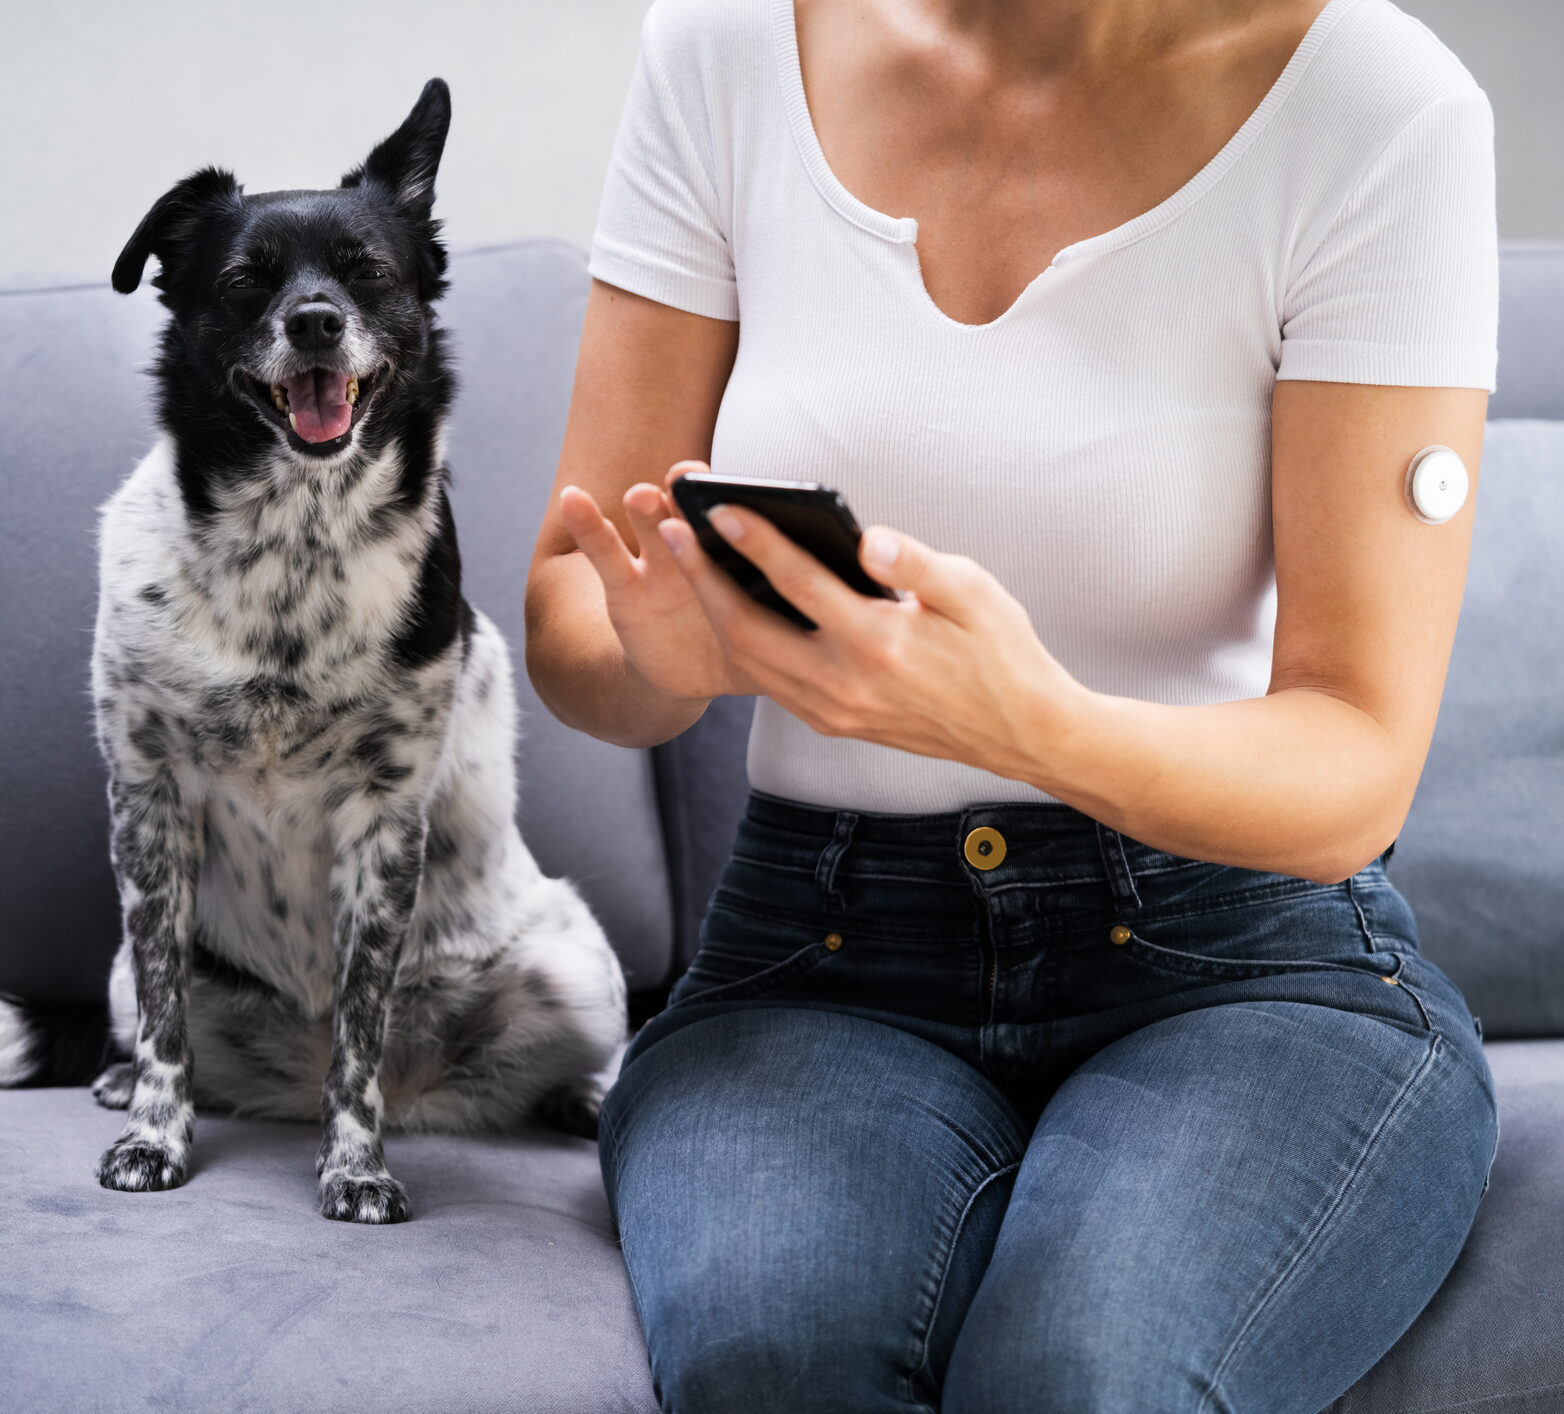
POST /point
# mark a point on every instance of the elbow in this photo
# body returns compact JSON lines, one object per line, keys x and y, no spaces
{"x":1338,"y":863}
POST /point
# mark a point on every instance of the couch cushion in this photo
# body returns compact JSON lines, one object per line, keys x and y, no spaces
{"x":1480,"y":857}
{"x":506,"y":1292}
{"x":1492,"y":1339}
{"x":74,"y":418}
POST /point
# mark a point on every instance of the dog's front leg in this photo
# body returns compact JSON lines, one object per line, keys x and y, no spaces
{"x":155,"y":845}
{"x":374,"y":882}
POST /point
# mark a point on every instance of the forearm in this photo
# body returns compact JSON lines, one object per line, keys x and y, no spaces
{"x":1299,"y":782}
{"x":578,"y":666}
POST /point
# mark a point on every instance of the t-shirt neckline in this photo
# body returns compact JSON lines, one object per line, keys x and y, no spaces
{"x":904,"y":229}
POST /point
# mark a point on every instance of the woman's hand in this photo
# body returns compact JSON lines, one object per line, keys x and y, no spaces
{"x":953,"y":670}
{"x":666,"y":635}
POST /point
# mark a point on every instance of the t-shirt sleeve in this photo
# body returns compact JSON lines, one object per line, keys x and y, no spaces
{"x":662,"y":227}
{"x":1402,"y":287}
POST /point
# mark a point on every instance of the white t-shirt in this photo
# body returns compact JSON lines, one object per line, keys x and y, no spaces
{"x":1103,"y":446}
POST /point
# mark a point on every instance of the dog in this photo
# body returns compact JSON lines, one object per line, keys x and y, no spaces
{"x":309,"y":733}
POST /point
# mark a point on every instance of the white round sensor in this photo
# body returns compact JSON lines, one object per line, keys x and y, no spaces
{"x":1436,"y":484}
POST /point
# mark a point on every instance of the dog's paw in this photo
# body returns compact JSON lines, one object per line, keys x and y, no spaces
{"x":141,"y":1166}
{"x":364,"y":1198}
{"x":113,"y":1088}
{"x":572,"y":1107}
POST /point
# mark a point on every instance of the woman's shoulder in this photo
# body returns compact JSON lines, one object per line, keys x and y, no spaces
{"x":1377,"y":69}
{"x":707,"y":33}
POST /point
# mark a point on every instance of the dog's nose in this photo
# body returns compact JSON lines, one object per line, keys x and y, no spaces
{"x":314,"y":325}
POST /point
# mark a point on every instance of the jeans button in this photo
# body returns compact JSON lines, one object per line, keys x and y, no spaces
{"x":984,"y":848}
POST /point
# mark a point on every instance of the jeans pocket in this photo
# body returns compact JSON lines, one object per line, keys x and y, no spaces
{"x":744,"y":955}
{"x":1183,"y":962}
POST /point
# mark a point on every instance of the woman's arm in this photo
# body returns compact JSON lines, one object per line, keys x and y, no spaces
{"x":649,"y":379}
{"x":1314,"y":779}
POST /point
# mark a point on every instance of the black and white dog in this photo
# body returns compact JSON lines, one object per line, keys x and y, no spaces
{"x":328,"y":908}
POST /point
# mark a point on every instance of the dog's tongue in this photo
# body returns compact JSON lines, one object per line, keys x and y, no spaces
{"x":318,"y":401}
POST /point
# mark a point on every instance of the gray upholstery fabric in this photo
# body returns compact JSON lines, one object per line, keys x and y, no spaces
{"x":1492,"y":1339}
{"x":74,"y":419}
{"x":506,"y":1292}
{"x":1481,"y":858}
{"x":1531,"y":334}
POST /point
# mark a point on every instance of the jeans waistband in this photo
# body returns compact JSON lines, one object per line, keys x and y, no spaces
{"x":1040,"y":841}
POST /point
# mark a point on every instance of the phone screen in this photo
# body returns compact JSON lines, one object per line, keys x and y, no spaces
{"x":810,"y":514}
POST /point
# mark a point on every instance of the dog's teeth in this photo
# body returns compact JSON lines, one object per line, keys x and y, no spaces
{"x":279,"y":397}
{"x":352,"y":390}
{"x":293,"y":421}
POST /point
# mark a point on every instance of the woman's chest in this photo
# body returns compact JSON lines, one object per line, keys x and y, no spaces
{"x":1001,"y":172}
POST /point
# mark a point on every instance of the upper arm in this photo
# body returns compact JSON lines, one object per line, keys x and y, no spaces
{"x":1368,"y":595}
{"x":649,"y":380}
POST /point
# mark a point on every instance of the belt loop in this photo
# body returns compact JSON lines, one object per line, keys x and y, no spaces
{"x":830,"y":856}
{"x":1117,"y":865}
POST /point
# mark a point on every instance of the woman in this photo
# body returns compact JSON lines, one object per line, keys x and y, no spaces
{"x":1057,"y":1041}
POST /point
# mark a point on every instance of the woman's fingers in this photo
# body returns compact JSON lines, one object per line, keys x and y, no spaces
{"x":597,"y":537}
{"x":745,"y":628}
{"x":952,"y":585}
{"x":644,"y":507}
{"x":793,"y":572}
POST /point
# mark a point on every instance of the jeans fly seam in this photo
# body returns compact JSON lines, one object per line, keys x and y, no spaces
{"x":1396,"y":1105}
{"x":944,"y":1276}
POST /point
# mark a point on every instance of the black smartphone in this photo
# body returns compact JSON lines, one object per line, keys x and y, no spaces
{"x":813,"y":516}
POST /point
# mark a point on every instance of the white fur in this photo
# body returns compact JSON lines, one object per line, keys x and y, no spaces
{"x":16,"y":1045}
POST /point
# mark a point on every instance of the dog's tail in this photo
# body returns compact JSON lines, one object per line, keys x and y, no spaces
{"x":51,"y":1043}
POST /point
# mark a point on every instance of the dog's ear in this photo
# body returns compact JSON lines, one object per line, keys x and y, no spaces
{"x":169,"y":221}
{"x":406,"y":162}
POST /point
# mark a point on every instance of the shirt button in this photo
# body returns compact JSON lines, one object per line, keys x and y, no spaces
{"x":1118,"y":935}
{"x":984,"y":848}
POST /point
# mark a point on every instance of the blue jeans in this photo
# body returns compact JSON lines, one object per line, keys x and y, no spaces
{"x":999,"y":1110}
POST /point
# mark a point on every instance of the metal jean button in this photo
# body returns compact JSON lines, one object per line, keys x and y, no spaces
{"x":984,"y":848}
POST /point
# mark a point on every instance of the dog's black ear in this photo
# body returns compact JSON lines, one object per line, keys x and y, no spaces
{"x":406,"y":162}
{"x":169,"y":222}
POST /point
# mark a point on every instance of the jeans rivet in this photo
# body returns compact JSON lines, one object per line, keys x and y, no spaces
{"x":1391,"y":980}
{"x":1118,"y":935}
{"x":833,"y":941}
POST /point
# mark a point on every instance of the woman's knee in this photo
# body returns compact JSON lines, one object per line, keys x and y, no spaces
{"x":795,"y":1196}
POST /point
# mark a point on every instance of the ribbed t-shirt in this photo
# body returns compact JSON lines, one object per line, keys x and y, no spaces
{"x":1103,"y":446}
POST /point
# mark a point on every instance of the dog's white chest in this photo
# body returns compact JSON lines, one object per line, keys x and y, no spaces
{"x":264,"y":898}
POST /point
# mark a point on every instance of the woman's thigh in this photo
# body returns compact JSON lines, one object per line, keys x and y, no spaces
{"x":1235,"y":1210}
{"x":807,"y":1200}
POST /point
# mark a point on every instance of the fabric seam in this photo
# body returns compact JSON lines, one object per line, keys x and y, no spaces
{"x":944,"y":1277}
{"x":1435,"y":1046}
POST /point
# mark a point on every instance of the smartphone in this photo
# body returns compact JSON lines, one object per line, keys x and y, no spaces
{"x":811,"y":515}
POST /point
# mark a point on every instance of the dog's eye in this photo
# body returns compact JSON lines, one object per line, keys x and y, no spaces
{"x":244,"y":282}
{"x":371,"y":275}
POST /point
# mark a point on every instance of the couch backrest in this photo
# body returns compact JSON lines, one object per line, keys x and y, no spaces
{"x":74,"y":419}
{"x":645,"y":834}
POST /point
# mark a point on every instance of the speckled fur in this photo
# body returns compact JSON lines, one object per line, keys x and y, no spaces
{"x":328,"y":908}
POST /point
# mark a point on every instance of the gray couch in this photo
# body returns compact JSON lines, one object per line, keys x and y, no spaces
{"x":507,"y":1291}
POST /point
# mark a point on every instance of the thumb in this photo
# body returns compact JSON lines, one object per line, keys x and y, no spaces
{"x":950,"y":584}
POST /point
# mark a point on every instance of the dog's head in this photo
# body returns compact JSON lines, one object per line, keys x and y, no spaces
{"x":299,"y":315}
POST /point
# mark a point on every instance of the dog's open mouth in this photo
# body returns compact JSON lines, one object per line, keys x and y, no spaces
{"x":319,"y":406}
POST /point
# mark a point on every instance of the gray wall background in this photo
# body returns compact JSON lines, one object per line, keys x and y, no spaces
{"x":105,"y":104}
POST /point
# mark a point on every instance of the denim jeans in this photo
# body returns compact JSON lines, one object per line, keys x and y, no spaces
{"x":999,"y":1110}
